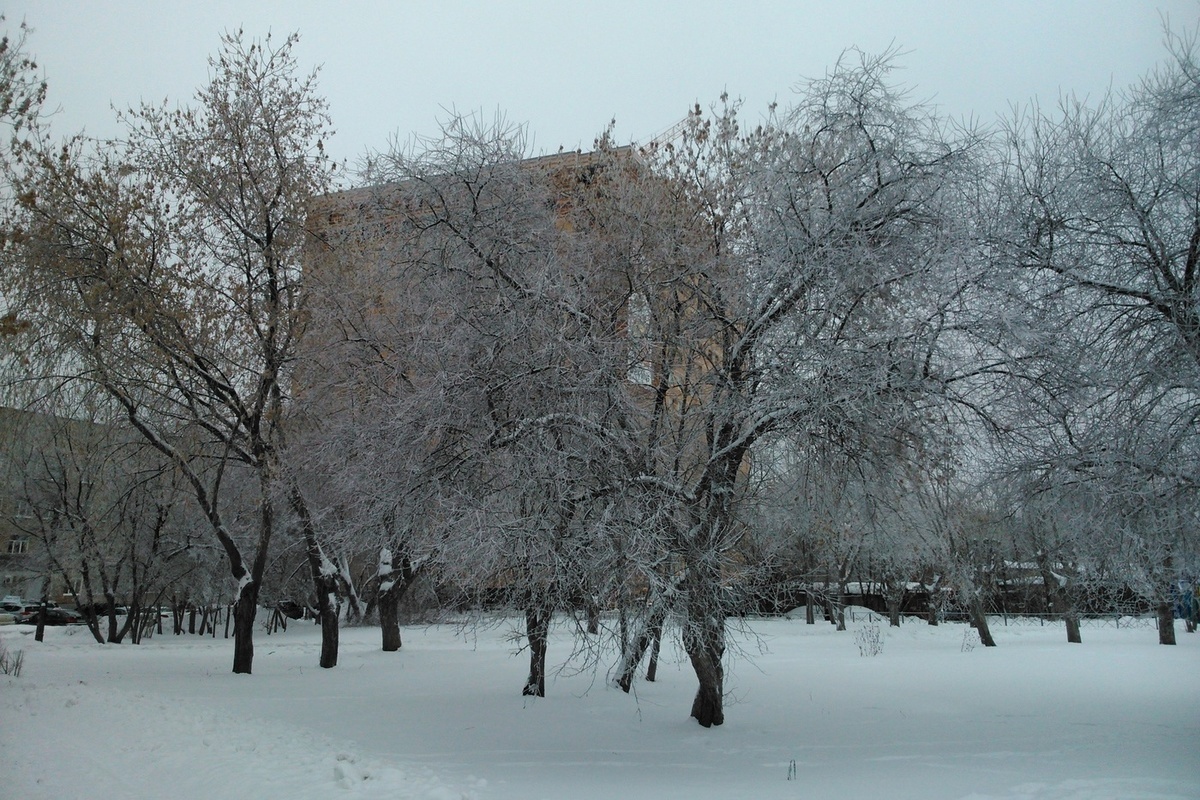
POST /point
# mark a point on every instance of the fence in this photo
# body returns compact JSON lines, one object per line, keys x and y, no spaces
{"x":857,"y":614}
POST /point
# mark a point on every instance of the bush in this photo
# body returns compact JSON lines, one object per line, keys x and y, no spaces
{"x":869,"y":639}
{"x":11,"y":661}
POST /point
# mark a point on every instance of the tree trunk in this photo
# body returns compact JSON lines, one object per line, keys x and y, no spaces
{"x":328,"y":609}
{"x":593,"y":616}
{"x":1058,"y":601}
{"x":895,"y":601}
{"x":648,"y":637}
{"x":354,"y":605}
{"x":1166,"y":622}
{"x":656,"y":645}
{"x":623,"y":623}
{"x":129,"y":627}
{"x":389,"y":617}
{"x":537,"y":630}
{"x":117,"y":634}
{"x":325,"y":582}
{"x":979,"y":619}
{"x":92,"y":620}
{"x":111,"y":600}
{"x":244,"y":612}
{"x":40,"y":634}
{"x":329,"y":630}
{"x":704,"y":641}
{"x":1074,"y":636}
{"x":810,"y":616}
{"x":392,"y":586}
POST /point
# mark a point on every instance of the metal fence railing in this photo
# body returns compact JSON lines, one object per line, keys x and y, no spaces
{"x":1115,"y":620}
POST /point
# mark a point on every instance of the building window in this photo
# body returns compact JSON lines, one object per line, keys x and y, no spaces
{"x":18,"y":545}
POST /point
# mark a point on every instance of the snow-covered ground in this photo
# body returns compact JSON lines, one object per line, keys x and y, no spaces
{"x":807,"y":717}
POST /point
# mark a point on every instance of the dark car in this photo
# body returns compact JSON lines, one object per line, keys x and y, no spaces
{"x":54,"y":616}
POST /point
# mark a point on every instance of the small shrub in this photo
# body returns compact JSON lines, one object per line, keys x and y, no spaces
{"x":970,"y":639}
{"x":869,"y":639}
{"x":11,"y":661}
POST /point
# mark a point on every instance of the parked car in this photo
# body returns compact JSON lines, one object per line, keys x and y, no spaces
{"x":63,"y":616}
{"x":54,"y":616}
{"x":11,"y":605}
{"x":25,"y":613}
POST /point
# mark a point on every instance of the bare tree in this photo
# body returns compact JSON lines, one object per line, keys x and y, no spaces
{"x":106,"y":512}
{"x":1107,"y":203}
{"x":783,"y":273}
{"x":169,"y":266}
{"x":480,"y":374}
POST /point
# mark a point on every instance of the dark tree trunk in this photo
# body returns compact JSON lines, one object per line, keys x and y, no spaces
{"x":704,"y":642}
{"x":895,"y":601}
{"x":623,"y":624}
{"x":244,"y":611}
{"x":655,"y":646}
{"x":397,"y":583}
{"x":325,"y":583}
{"x":92,"y":620}
{"x":537,"y":630}
{"x":1074,"y":636}
{"x":129,"y":627}
{"x":1166,"y":622}
{"x":112,"y":618}
{"x":245,"y":606}
{"x":648,"y":638}
{"x":143,"y":623}
{"x":354,"y":606}
{"x":1058,"y":601}
{"x":810,"y":615}
{"x":593,"y":616}
{"x":979,"y":620}
{"x":329,"y":630}
{"x":389,"y":618}
{"x":40,"y":633}
{"x":933,"y":606}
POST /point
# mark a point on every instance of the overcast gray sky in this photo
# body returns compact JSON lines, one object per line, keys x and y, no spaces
{"x":566,"y":68}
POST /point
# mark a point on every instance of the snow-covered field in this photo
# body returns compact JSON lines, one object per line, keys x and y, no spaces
{"x":807,"y":717}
